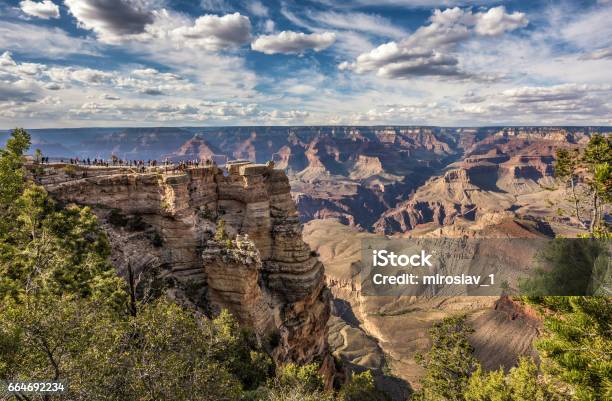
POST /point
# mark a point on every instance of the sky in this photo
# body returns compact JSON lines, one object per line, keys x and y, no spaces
{"x":92,"y":63}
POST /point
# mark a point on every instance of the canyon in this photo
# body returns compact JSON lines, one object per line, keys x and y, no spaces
{"x":299,"y":289}
{"x":380,"y":179}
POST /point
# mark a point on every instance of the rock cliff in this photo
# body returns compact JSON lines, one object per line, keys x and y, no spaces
{"x":162,"y":227}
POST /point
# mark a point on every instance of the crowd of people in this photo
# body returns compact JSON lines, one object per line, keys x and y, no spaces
{"x":140,"y":165}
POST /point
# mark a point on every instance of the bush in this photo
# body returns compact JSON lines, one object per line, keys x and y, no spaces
{"x":361,"y":387}
{"x":307,"y":376}
{"x":220,"y":234}
{"x":70,"y":170}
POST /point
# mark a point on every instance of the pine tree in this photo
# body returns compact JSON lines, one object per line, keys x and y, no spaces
{"x":449,"y":363}
{"x":522,"y":383}
{"x":575,"y":348}
{"x":593,"y":167}
{"x":565,"y":169}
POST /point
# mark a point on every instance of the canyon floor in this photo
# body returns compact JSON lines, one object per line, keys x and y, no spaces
{"x":385,"y":334}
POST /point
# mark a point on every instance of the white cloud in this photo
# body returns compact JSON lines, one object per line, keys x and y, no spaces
{"x":497,"y":21}
{"x":19,"y":91}
{"x":391,"y":60}
{"x":112,"y":19}
{"x":212,"y":32}
{"x":42,"y":41}
{"x":430,"y":49}
{"x":286,"y":115}
{"x":257,"y":8}
{"x":289,"y":42}
{"x":139,"y":23}
{"x":555,"y":93}
{"x":598,"y":54}
{"x":92,"y":77}
{"x":216,"y":6}
{"x":590,"y":30}
{"x":301,"y":89}
{"x":45,"y":9}
{"x":408,"y":3}
{"x":269,"y":26}
{"x":7,"y":59}
{"x":357,"y":21}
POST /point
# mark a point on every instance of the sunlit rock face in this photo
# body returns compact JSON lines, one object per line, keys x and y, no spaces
{"x":261,"y":270}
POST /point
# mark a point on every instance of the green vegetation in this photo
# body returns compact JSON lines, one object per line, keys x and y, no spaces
{"x":70,"y":170}
{"x":306,"y":376}
{"x":361,"y":387}
{"x":521,"y":384}
{"x":220,"y":233}
{"x":575,"y":348}
{"x":593,"y":167}
{"x":449,"y":363}
{"x":576,"y":362}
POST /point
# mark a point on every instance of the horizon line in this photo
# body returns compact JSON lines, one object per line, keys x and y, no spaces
{"x":318,"y":125}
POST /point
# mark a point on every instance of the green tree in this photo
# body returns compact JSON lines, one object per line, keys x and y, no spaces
{"x":173,"y":355}
{"x":57,"y":250}
{"x":295,"y":383}
{"x":575,"y":347}
{"x":307,"y":376}
{"x":487,"y":386}
{"x":361,"y":387}
{"x":239,"y":349}
{"x":449,"y":362}
{"x":163,"y":353}
{"x":565,"y":168}
{"x":294,"y":393}
{"x":593,"y":167}
{"x":522,"y":383}
{"x":11,"y":175}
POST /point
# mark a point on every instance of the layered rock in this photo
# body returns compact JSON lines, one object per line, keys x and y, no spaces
{"x":261,"y":269}
{"x":511,"y":171}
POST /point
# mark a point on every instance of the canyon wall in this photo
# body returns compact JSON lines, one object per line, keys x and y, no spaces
{"x":162,"y":227}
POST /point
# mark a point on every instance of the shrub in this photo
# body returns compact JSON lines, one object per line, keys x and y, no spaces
{"x":307,"y":375}
{"x":70,"y":170}
{"x":220,"y":234}
{"x":360,"y":387}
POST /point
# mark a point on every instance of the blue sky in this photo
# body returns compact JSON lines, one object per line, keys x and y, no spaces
{"x":77,"y":63}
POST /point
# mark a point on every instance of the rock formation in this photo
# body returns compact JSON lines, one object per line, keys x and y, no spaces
{"x":258,"y":267}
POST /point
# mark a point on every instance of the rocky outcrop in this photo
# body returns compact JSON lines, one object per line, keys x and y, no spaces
{"x":259,"y":267}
